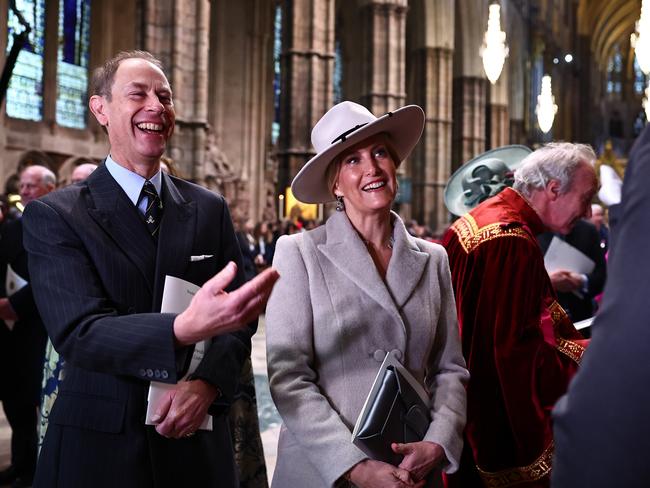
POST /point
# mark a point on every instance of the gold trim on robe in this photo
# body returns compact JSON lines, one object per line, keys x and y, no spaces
{"x":515,"y":476}
{"x":471,"y":236}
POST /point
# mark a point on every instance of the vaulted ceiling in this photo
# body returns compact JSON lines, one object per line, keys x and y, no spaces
{"x":608,"y":23}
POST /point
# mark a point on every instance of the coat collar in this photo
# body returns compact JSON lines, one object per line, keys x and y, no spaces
{"x":110,"y":207}
{"x":347,"y":251}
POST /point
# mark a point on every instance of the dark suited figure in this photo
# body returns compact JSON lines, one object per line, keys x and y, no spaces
{"x":98,"y":254}
{"x":25,"y":342}
{"x":575,"y":294}
{"x":602,"y":433}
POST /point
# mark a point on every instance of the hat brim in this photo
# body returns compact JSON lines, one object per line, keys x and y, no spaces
{"x":404,"y":128}
{"x":511,"y":156}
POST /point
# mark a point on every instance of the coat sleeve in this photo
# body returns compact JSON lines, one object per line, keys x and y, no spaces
{"x":447,"y":376}
{"x":306,"y":412}
{"x":84,"y":326}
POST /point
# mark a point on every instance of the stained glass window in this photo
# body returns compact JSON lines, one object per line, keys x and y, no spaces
{"x":615,"y":72}
{"x":277,"y":51}
{"x":639,"y":79}
{"x":72,"y":63}
{"x":25,"y":91}
{"x":338,"y":72}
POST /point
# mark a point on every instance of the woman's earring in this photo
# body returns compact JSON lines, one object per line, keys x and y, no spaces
{"x":340,"y":205}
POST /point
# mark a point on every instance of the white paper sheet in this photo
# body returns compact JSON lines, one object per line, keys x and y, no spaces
{"x":561,"y":255}
{"x":177,"y":295}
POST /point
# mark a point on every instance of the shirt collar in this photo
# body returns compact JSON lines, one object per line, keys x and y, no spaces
{"x":131,"y":182}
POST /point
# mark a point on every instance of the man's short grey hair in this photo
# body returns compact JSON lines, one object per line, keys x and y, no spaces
{"x":47,"y":175}
{"x":555,"y":161}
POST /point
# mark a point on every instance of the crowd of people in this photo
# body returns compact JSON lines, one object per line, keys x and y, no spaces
{"x":484,"y":330}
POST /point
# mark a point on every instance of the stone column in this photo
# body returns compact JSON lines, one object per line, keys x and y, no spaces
{"x":307,"y":64}
{"x":431,"y":160}
{"x":177,"y":31}
{"x":499,"y":133}
{"x":469,"y":119}
{"x":384,"y":46}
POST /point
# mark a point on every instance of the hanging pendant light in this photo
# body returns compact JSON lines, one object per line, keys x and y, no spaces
{"x":640,"y":39}
{"x":546,"y":108}
{"x":494,"y":50}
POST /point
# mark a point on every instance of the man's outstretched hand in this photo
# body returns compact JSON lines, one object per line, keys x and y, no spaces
{"x":214,"y":311}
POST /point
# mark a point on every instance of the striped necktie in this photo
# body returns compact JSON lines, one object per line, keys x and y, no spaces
{"x":153,"y":212}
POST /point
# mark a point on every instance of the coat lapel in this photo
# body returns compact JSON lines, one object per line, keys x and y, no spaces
{"x":406,"y":265}
{"x":177,"y":231}
{"x":345,"y":249}
{"x":109,"y":206}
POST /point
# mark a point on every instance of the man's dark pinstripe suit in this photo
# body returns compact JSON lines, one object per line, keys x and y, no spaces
{"x":97,"y":277}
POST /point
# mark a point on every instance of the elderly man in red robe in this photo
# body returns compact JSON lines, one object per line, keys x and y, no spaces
{"x":521,"y":348}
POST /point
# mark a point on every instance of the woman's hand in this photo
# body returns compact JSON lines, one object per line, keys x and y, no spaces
{"x":419,"y":457}
{"x":375,"y":474}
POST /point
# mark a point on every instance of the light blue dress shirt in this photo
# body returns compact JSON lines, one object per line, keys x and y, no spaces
{"x":132,"y":183}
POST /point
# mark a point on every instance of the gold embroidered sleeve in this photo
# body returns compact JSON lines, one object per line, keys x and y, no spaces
{"x":470,"y":235}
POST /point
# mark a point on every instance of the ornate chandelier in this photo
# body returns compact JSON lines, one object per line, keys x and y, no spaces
{"x":640,"y":39}
{"x":546,"y":108}
{"x":494,"y":50}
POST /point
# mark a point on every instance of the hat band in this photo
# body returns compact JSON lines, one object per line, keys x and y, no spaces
{"x":345,"y":134}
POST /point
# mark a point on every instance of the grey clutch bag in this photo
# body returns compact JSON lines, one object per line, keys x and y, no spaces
{"x":396,"y":410}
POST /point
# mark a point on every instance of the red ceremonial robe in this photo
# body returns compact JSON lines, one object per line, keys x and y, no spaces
{"x":521,"y":348}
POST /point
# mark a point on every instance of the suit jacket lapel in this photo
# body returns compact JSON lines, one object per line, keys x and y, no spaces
{"x":109,"y":206}
{"x":345,"y":249}
{"x":406,"y":265}
{"x":176,"y":236}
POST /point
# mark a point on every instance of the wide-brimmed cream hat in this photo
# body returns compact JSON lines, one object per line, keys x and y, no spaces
{"x":482,"y":177}
{"x":345,"y":125}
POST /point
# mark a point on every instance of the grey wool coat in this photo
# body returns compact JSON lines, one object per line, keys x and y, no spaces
{"x":329,"y":323}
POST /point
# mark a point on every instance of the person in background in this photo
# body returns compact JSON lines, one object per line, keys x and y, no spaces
{"x":82,"y":172}
{"x":521,"y":348}
{"x":598,"y":219}
{"x":351,"y":291}
{"x":26,"y":339}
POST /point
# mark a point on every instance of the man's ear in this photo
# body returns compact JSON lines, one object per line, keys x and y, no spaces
{"x":97,"y":106}
{"x":553,"y":190}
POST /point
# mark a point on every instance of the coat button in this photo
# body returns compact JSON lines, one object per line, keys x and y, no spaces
{"x":164,"y":374}
{"x":379,"y":355}
{"x":397,"y":353}
{"x":156,"y":373}
{"x":142,"y":372}
{"x":150,"y":373}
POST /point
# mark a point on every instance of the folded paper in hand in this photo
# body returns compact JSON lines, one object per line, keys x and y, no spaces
{"x":396,"y":410}
{"x":177,"y":295}
{"x":13,"y":283}
{"x":561,"y":255}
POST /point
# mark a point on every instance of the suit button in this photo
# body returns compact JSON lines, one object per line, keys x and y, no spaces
{"x":397,"y":353}
{"x":142,"y":372}
{"x":164,"y":374}
{"x":379,"y":355}
{"x":150,"y":373}
{"x":156,"y":373}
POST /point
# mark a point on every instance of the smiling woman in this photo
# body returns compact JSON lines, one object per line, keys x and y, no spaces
{"x":351,"y":291}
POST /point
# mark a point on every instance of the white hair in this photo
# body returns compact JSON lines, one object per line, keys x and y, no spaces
{"x":555,"y":161}
{"x":47,"y":175}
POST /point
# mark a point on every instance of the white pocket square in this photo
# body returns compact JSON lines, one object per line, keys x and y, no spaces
{"x":200,"y":257}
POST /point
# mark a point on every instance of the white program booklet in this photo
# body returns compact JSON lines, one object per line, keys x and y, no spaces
{"x":13,"y":283}
{"x":561,"y":255}
{"x":389,"y":360}
{"x":583,"y":324}
{"x":177,"y":296}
